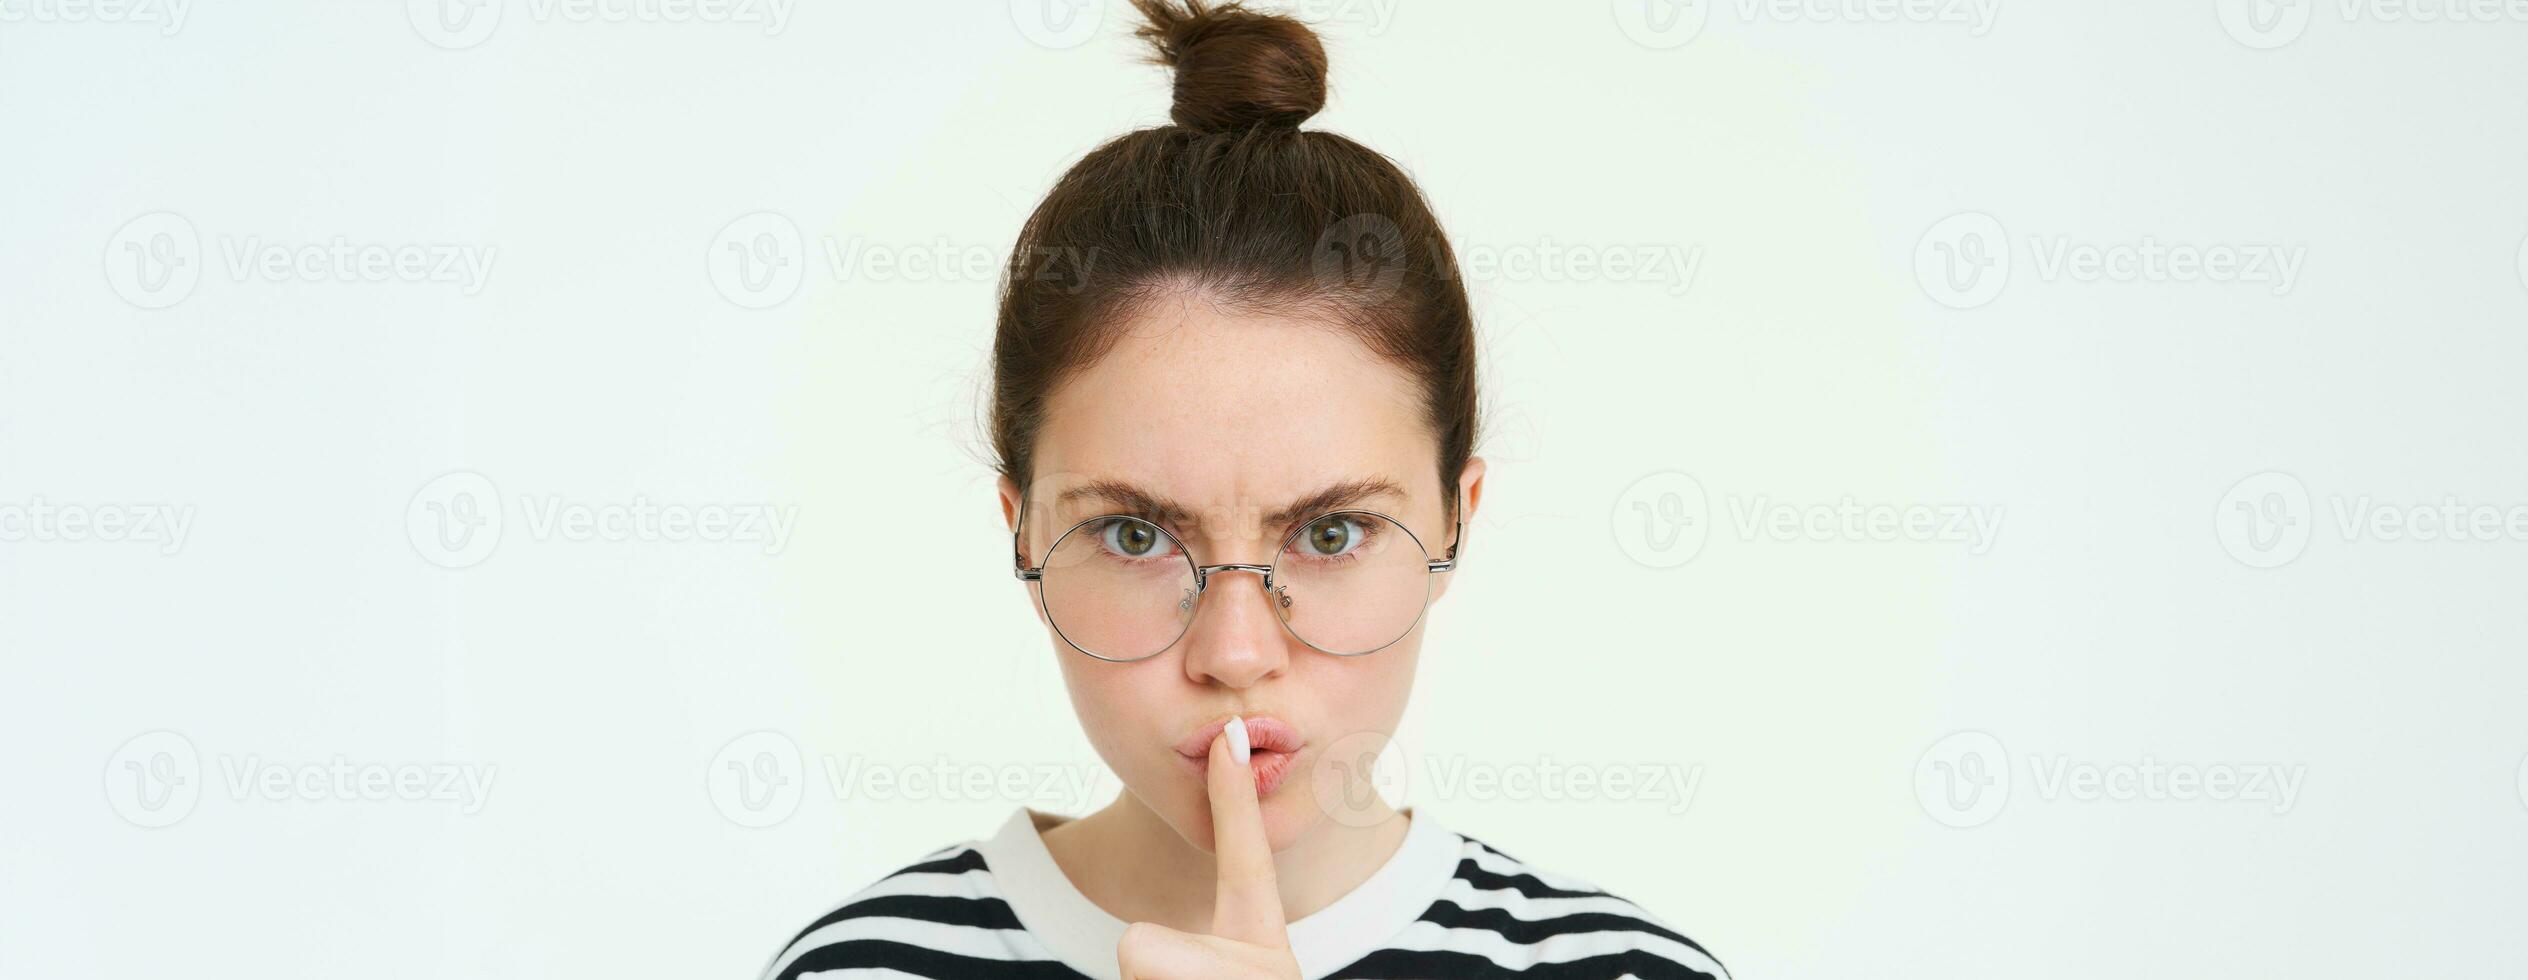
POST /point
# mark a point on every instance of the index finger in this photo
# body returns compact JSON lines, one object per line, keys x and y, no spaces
{"x":1248,"y":907}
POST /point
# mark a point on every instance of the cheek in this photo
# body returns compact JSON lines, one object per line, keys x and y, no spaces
{"x":1352,"y":707}
{"x":1365,"y":694}
{"x":1343,"y":703}
{"x":1115,"y":710}
{"x":1360,"y":694}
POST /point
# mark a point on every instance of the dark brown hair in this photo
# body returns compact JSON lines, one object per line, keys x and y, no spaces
{"x":1237,"y":203}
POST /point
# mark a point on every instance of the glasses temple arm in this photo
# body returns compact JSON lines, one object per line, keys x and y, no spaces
{"x":1018,"y":558}
{"x":1450,"y":563}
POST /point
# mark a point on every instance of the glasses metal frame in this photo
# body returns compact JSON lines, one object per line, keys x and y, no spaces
{"x":1202,"y":575}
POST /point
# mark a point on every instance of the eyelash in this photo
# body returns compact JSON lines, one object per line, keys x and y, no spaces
{"x":1367,"y":532}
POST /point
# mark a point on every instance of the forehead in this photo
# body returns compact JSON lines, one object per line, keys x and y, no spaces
{"x":1222,"y":409}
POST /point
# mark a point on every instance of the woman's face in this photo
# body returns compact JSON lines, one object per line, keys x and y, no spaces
{"x":1234,"y":418}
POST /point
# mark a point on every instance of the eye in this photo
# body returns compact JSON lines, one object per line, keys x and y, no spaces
{"x":1133,"y":539}
{"x":1333,"y":537}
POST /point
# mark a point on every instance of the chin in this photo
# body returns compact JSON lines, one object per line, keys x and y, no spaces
{"x":1290,"y":815}
{"x":1290,"y":810}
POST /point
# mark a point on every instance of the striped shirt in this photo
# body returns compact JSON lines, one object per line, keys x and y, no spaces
{"x":1445,"y":905}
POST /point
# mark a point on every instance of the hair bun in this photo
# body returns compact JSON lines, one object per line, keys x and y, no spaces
{"x":1235,"y":68}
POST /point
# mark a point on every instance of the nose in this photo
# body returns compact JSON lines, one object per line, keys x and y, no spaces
{"x":1236,"y":639}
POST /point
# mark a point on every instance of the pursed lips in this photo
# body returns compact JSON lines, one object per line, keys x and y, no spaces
{"x":1273,"y":743}
{"x":1264,"y":733}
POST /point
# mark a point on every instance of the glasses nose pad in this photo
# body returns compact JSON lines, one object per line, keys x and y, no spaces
{"x":1186,"y":604}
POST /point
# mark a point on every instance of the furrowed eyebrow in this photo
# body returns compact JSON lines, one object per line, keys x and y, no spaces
{"x":1127,"y":498}
{"x":1334,"y":497}
{"x":1142,"y":503}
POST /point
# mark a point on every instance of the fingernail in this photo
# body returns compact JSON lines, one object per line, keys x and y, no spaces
{"x":1238,"y":748}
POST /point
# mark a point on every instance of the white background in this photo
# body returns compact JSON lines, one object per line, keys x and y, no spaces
{"x":2131,"y":611}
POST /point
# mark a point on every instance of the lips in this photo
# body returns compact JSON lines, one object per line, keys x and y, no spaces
{"x":1274,"y":744}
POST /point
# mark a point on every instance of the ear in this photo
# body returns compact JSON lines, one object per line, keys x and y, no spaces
{"x":1470,"y":488}
{"x":1009,"y":503}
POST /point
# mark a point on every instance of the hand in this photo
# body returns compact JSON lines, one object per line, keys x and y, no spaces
{"x":1249,"y":938}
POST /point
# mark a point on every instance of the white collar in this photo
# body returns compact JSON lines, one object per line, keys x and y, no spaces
{"x":1083,"y":936}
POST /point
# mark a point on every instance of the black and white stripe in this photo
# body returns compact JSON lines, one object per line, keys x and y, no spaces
{"x":1499,"y":917}
{"x":945,"y":917}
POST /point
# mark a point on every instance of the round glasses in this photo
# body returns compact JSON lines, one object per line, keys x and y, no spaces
{"x":1348,"y":582}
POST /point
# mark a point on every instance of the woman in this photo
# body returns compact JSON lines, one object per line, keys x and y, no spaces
{"x":1234,"y":404}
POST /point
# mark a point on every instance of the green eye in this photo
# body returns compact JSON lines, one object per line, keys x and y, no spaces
{"x":1131,"y":539}
{"x":1331,"y":537}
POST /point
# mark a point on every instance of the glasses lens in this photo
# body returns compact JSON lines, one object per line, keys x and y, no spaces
{"x":1352,"y":582}
{"x":1119,"y":588}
